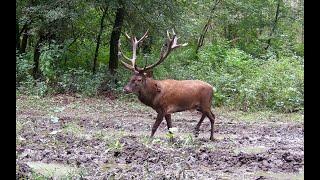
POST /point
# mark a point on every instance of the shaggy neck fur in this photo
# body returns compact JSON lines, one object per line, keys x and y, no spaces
{"x":147,"y":94}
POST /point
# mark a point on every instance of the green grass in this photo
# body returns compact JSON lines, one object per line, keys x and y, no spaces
{"x":73,"y":129}
{"x":19,"y":126}
{"x":35,"y":103}
{"x":47,"y":105}
{"x":111,"y":138}
{"x":281,"y":176}
{"x":56,"y":171}
{"x":259,"y":115}
{"x":250,"y":149}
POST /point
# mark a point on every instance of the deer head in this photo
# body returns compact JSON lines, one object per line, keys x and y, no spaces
{"x":138,"y":80}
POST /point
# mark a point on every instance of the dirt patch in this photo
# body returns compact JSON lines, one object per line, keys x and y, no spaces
{"x":109,"y":139}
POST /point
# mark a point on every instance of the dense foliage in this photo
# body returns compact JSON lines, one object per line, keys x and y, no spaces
{"x":250,"y":51}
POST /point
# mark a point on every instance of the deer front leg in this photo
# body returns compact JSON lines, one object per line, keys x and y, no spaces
{"x":156,"y":123}
{"x":169,"y":125}
{"x":169,"y":122}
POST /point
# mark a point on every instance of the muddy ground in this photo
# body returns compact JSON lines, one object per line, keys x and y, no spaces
{"x":101,"y":138}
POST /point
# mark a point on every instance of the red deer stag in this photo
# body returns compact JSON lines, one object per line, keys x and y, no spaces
{"x":167,"y":96}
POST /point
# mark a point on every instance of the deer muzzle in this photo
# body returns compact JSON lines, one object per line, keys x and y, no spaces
{"x":127,"y":89}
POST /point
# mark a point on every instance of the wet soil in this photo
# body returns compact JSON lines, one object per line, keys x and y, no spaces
{"x":109,"y":139}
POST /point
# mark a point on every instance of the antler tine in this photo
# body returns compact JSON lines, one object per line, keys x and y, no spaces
{"x":168,"y":34}
{"x":170,"y":45}
{"x":144,"y":36}
{"x":127,"y":36}
{"x":173,"y":32}
{"x":121,"y":53}
{"x":134,"y":43}
{"x":175,"y":41}
{"x":127,"y":65}
{"x":125,"y":57}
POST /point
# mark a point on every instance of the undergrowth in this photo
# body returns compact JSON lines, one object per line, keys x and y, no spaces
{"x":242,"y":82}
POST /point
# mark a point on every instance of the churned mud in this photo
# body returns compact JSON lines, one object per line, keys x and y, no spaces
{"x":98,"y":138}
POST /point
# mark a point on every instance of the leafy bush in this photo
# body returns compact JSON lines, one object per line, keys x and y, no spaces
{"x":278,"y":86}
{"x":241,"y":81}
{"x":274,"y":81}
{"x":25,"y":83}
{"x":23,"y":67}
{"x":49,"y":60}
{"x":79,"y":80}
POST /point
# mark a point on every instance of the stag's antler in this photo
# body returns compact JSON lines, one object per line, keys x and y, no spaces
{"x":167,"y":48}
{"x":134,"y":43}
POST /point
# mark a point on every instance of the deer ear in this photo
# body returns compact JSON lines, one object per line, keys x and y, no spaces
{"x":157,"y":88}
{"x":148,"y":73}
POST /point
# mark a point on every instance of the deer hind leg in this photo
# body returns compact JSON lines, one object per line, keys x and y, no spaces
{"x":197,"y":128}
{"x":211,"y":116}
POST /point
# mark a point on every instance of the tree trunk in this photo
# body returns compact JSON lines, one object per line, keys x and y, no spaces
{"x":115,"y":35}
{"x":203,"y":34}
{"x":206,"y":27}
{"x":273,"y":26}
{"x":25,"y":36}
{"x":17,"y":36}
{"x":36,"y":57}
{"x":301,"y":4}
{"x":98,"y":40}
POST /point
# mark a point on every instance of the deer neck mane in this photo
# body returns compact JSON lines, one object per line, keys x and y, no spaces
{"x":147,"y":94}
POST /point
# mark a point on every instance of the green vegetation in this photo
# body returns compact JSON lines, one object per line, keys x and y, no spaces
{"x":44,"y":171}
{"x":72,"y":129}
{"x":252,"y":52}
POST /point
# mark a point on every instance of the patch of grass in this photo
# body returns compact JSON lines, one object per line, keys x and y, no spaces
{"x":155,"y":141}
{"x":57,"y":142}
{"x":99,"y":135}
{"x":19,"y":126}
{"x":189,"y":140}
{"x":112,"y":165}
{"x":210,"y":146}
{"x":111,"y":138}
{"x":115,"y":146}
{"x":136,"y":105}
{"x":145,"y":140}
{"x":43,"y":104}
{"x":280,"y":175}
{"x":75,"y":106}
{"x":260,"y":115}
{"x":56,"y":171}
{"x":73,"y":129}
{"x":250,"y":149}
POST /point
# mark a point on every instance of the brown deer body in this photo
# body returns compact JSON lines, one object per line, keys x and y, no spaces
{"x":169,"y":96}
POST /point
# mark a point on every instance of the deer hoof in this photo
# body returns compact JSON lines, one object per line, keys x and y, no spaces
{"x":196,"y":133}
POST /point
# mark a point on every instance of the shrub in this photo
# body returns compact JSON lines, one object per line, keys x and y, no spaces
{"x":84,"y":82}
{"x":272,"y":82}
{"x":241,"y":81}
{"x":23,"y":67}
{"x":50,"y":60}
{"x":279,"y":86}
